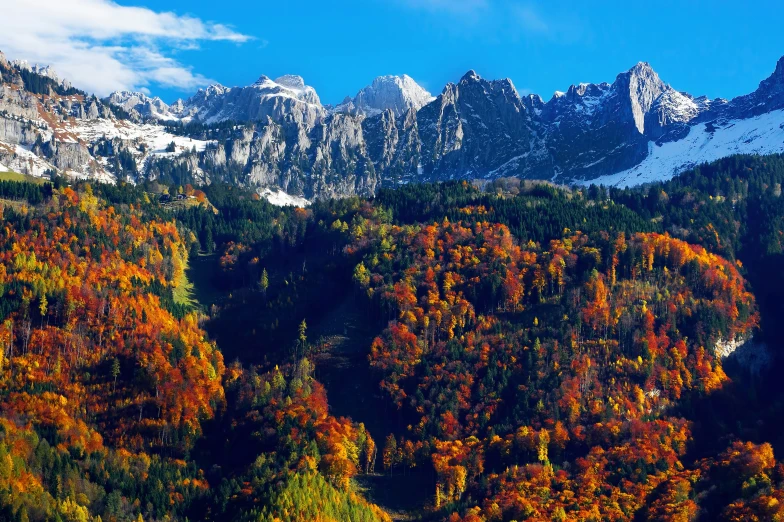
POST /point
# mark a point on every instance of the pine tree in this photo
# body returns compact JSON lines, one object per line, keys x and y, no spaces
{"x":115,"y":370}
{"x":302,"y":341}
{"x":390,"y":452}
{"x":264,"y":281}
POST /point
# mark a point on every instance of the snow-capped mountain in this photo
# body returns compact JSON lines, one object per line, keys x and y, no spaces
{"x":634,"y":130}
{"x":709,"y":130}
{"x":274,"y":98}
{"x":47,"y":126}
{"x":142,"y":105}
{"x":283,"y":98}
{"x":41,"y":70}
{"x":217,"y":103}
{"x":396,"y":93}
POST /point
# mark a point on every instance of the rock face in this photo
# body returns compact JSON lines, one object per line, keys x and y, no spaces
{"x":633,"y":130}
{"x":52,"y":127}
{"x":479,"y":128}
{"x":398,"y":94}
{"x":391,"y":132}
{"x":768,"y":97}
{"x":285,"y":98}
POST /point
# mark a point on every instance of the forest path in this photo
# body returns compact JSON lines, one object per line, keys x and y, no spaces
{"x":352,"y":391}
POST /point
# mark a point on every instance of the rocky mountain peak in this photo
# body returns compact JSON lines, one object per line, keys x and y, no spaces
{"x":470,"y":76}
{"x":641,"y":76}
{"x":582,"y":91}
{"x":639,"y":87}
{"x":214,"y":89}
{"x":287,"y":85}
{"x":291,"y":81}
{"x":769,"y":96}
{"x":779,"y":73}
{"x":142,"y":105}
{"x":395,"y":93}
{"x":263,"y":79}
{"x":507,"y":84}
{"x":587,"y":89}
{"x":775,"y":81}
{"x":642,"y":68}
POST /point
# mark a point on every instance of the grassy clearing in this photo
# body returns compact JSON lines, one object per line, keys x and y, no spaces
{"x":183,"y":289}
{"x":16,"y":205}
{"x":201,"y":290}
{"x":15,"y":176}
{"x":187,"y":203}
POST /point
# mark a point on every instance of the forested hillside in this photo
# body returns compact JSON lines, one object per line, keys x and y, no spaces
{"x":105,"y":391}
{"x":524,"y":352}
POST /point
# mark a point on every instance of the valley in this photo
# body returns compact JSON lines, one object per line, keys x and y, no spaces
{"x":475,"y":304}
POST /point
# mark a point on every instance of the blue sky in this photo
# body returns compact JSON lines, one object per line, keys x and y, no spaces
{"x":170,"y":47}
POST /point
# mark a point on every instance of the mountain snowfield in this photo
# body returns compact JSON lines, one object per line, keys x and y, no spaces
{"x":154,"y":138}
{"x":705,"y":142}
{"x":20,"y":159}
{"x":276,"y":135}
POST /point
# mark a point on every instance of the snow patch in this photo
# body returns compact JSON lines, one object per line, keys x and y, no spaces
{"x":280,"y":198}
{"x":153,"y":137}
{"x":705,"y":142}
{"x":19,"y":159}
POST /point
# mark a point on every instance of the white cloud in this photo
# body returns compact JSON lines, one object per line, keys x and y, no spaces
{"x":101,"y":46}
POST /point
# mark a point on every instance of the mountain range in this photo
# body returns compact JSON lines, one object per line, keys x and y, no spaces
{"x":276,"y":134}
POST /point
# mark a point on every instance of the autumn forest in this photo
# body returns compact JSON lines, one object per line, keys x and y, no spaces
{"x":503,"y":351}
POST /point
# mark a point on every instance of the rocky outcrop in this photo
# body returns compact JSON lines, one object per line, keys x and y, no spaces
{"x":17,"y":132}
{"x":397,"y":94}
{"x":285,"y":99}
{"x":72,"y":156}
{"x":143,"y":106}
{"x":752,"y":356}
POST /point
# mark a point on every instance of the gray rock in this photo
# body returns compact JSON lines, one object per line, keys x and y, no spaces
{"x":398,"y":94}
{"x":393,"y":131}
{"x":284,"y":99}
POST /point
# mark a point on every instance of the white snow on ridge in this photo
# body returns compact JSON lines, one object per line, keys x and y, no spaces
{"x":762,"y":134}
{"x":19,"y":159}
{"x":147,"y":106}
{"x":287,"y":86}
{"x":281,"y":199}
{"x":153,"y":136}
{"x":395,"y":93}
{"x":3,"y":168}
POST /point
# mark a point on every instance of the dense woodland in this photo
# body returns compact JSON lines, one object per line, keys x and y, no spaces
{"x":540,"y":352}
